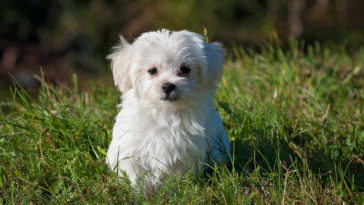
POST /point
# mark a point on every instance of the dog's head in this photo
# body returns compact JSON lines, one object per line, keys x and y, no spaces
{"x":167,"y":67}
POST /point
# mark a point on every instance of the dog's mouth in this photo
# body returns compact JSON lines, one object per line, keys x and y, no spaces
{"x":169,"y":98}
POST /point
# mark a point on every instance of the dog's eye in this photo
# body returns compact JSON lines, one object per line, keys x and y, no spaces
{"x":184,"y":70}
{"x":152,"y":71}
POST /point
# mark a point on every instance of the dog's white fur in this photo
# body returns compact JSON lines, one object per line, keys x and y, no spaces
{"x":157,"y":138}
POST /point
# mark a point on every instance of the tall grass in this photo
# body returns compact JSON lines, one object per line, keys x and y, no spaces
{"x":294,"y":118}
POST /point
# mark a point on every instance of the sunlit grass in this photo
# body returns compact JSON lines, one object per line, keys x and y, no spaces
{"x":295,"y":121}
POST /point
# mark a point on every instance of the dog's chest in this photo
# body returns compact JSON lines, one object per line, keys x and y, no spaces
{"x":168,"y":140}
{"x":173,"y":146}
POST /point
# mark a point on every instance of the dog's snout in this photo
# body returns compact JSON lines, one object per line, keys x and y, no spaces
{"x":168,"y":87}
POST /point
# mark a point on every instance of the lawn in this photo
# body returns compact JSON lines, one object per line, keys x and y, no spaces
{"x":295,"y":120}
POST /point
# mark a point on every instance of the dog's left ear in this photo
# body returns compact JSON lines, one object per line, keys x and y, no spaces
{"x":214,"y":54}
{"x":121,"y":61}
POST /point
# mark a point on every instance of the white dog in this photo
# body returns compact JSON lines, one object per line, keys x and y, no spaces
{"x":167,"y":124}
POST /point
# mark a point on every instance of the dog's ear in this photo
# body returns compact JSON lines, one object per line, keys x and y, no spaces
{"x":214,"y":54}
{"x":121,"y":61}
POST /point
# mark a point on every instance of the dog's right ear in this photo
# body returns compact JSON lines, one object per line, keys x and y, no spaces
{"x":121,"y":61}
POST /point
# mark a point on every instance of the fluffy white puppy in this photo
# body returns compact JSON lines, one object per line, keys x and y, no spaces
{"x":167,"y":124}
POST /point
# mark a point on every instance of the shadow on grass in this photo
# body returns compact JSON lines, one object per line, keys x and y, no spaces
{"x":273,"y":142}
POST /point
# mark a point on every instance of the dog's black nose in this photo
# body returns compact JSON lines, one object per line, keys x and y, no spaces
{"x":168,"y":87}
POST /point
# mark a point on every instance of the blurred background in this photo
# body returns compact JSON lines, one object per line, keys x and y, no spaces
{"x":63,"y":37}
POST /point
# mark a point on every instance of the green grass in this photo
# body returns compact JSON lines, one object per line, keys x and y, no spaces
{"x":295,"y":121}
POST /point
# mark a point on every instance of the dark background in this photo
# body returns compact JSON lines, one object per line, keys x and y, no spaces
{"x":68,"y":36}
